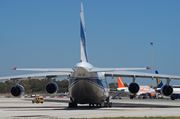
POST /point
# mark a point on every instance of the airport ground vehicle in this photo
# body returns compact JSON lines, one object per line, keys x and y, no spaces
{"x":38,"y":100}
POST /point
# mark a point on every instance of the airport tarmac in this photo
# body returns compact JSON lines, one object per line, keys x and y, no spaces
{"x":58,"y":108}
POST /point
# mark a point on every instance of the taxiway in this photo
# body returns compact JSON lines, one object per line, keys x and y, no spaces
{"x":58,"y":108}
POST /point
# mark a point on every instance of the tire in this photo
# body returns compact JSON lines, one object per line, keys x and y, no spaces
{"x":131,"y":97}
{"x":105,"y":104}
{"x":172,"y":98}
{"x":110,"y":104}
{"x":72,"y":105}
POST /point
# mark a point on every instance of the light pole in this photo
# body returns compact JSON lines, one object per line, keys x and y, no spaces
{"x":152,"y":63}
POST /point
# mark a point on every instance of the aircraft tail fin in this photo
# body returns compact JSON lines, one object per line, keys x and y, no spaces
{"x":83,"y":36}
{"x":159,"y":81}
{"x":120,"y":83}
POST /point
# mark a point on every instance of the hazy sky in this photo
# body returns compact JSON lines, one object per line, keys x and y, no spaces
{"x":46,"y":34}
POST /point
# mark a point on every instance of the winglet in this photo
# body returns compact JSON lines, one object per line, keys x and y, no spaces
{"x":15,"y":68}
{"x":147,"y":67}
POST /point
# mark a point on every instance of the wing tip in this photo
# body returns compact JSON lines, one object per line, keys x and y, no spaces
{"x":15,"y":68}
{"x":147,"y":67}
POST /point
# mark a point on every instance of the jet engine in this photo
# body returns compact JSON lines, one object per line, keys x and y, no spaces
{"x":52,"y":88}
{"x":167,"y":90}
{"x":133,"y":88}
{"x":17,"y":90}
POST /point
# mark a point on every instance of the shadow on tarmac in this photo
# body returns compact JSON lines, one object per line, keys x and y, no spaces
{"x":122,"y":105}
{"x":114,"y":105}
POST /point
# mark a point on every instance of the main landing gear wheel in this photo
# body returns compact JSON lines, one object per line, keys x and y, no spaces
{"x":72,"y":105}
{"x":93,"y":105}
{"x":108,"y":104}
{"x":98,"y":105}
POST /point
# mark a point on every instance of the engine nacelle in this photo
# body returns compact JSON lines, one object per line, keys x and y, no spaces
{"x":133,"y":88}
{"x":17,"y":91}
{"x":52,"y":88}
{"x":167,"y":90}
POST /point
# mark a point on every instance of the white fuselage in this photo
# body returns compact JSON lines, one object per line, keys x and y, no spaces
{"x":86,"y":86}
{"x":141,"y":91}
{"x":176,"y":90}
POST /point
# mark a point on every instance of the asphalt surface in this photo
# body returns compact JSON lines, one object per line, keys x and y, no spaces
{"x":58,"y":108}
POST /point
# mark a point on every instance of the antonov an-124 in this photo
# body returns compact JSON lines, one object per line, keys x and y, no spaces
{"x":87,"y":84}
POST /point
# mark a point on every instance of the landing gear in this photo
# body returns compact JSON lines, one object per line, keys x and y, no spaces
{"x":93,"y":105}
{"x":173,"y":97}
{"x":72,"y":105}
{"x":131,"y":96}
{"x":98,"y":105}
{"x":107,"y":103}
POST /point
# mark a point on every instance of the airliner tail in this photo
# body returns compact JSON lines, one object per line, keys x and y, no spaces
{"x":120,"y":83}
{"x":83,"y":36}
{"x":159,"y":81}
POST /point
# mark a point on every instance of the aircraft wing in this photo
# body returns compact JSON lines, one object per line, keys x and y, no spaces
{"x":46,"y":69}
{"x":116,"y":69}
{"x":139,"y":75}
{"x":35,"y":76}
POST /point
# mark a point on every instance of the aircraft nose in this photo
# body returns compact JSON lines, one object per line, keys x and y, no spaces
{"x":85,"y":91}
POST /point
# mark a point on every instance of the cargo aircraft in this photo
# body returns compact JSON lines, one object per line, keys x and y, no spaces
{"x":87,"y":84}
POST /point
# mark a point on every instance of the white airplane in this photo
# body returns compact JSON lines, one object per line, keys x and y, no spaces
{"x":87,"y":84}
{"x":176,"y":91}
{"x":124,"y":90}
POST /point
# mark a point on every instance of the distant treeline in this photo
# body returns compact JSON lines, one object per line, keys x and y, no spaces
{"x":115,"y":85}
{"x":33,"y":86}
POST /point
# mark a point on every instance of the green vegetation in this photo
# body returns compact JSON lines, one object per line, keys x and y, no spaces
{"x":33,"y":86}
{"x":113,"y":85}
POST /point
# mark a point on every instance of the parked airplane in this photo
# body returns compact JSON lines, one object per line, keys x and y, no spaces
{"x":176,"y":91}
{"x":124,"y":90}
{"x":87,"y":84}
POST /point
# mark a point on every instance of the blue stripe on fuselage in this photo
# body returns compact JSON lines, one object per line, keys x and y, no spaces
{"x":95,"y":81}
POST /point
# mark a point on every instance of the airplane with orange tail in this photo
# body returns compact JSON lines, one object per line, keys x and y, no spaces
{"x":143,"y":91}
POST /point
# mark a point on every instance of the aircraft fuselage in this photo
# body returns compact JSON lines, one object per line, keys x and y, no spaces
{"x":86,"y":86}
